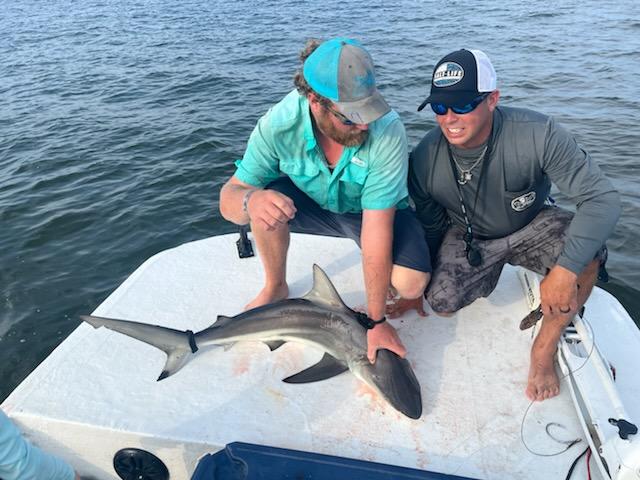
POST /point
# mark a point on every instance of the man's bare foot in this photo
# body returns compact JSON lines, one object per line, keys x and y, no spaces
{"x":269,"y":295}
{"x":392,"y":293}
{"x":401,"y":305}
{"x":543,"y":381}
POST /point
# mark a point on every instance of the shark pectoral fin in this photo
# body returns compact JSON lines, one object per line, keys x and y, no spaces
{"x":274,"y":345}
{"x":326,"y":368}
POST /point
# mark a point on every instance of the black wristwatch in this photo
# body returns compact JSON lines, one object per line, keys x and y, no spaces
{"x":368,"y":322}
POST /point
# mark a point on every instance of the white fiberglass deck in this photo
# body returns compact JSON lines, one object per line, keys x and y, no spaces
{"x":97,"y":392}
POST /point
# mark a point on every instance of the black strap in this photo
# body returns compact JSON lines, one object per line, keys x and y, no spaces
{"x":468,"y":237}
{"x":368,"y":322}
{"x":192,"y":341}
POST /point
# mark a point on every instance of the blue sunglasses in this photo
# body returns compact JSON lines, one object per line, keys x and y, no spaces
{"x":441,"y":108}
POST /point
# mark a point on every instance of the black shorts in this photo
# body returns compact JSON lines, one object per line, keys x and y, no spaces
{"x":409,"y":245}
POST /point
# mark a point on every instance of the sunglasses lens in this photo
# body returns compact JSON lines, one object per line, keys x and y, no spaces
{"x":439,"y":108}
{"x":465,"y":108}
{"x":344,"y":120}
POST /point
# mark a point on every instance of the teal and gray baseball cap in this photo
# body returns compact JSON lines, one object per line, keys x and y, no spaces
{"x":341,"y":70}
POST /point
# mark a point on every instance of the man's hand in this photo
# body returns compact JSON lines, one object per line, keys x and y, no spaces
{"x":559,"y":292}
{"x":401,"y":305}
{"x":270,"y":209}
{"x":384,"y":335}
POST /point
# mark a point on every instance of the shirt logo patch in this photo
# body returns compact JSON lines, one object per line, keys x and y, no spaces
{"x":447,"y":74}
{"x":523,"y":202}
{"x":358,"y":162}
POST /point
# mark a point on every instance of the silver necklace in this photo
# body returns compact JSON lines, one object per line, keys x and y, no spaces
{"x":465,"y":174}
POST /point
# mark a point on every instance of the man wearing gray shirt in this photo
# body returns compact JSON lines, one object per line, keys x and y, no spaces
{"x":480,"y":184}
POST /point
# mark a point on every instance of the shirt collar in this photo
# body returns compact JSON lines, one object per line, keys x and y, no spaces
{"x":307,"y":126}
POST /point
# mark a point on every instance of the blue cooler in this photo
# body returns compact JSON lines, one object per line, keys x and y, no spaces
{"x":244,"y":461}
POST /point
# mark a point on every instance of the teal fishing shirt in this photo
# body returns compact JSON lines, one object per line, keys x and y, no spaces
{"x":369,"y":176}
{"x":19,"y":460}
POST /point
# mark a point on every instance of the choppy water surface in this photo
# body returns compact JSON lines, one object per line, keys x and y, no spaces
{"x":119,"y":122}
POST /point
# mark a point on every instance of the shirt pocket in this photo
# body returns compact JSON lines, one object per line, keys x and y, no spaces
{"x":299,"y":170}
{"x":519,"y":177}
{"x":352,"y":181}
{"x":518,"y":189}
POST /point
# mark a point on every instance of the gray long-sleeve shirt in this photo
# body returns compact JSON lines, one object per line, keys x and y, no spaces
{"x":529,"y":151}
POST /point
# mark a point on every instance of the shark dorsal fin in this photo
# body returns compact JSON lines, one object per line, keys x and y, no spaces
{"x":323,"y":292}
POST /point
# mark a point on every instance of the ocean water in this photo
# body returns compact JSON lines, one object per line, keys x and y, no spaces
{"x":120,"y":121}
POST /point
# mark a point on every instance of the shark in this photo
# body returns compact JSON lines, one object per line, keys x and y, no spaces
{"x":319,"y":318}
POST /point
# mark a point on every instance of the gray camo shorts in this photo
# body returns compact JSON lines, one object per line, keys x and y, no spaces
{"x":537,"y":246}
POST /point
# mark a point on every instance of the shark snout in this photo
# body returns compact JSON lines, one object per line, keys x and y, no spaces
{"x":393,"y":377}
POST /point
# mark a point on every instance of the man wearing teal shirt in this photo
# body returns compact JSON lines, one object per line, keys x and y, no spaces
{"x":19,"y":460}
{"x":331,"y":158}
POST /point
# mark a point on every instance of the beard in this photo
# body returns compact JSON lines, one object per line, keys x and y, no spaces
{"x":351,"y":138}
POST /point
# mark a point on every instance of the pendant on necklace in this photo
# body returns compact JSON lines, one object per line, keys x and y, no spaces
{"x":464,"y":177}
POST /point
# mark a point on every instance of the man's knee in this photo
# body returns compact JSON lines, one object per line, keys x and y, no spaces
{"x":442,"y":302}
{"x":409,"y":283}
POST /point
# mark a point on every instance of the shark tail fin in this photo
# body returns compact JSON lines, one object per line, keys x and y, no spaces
{"x":176,"y":344}
{"x":176,"y":359}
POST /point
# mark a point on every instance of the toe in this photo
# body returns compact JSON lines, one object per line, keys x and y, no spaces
{"x":530,"y":392}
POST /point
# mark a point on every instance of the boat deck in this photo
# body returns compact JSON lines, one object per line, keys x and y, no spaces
{"x":97,"y":392}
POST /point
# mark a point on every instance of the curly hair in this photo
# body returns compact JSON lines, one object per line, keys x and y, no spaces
{"x":298,"y":79}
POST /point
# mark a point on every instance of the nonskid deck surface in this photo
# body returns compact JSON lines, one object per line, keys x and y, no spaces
{"x":100,"y":386}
